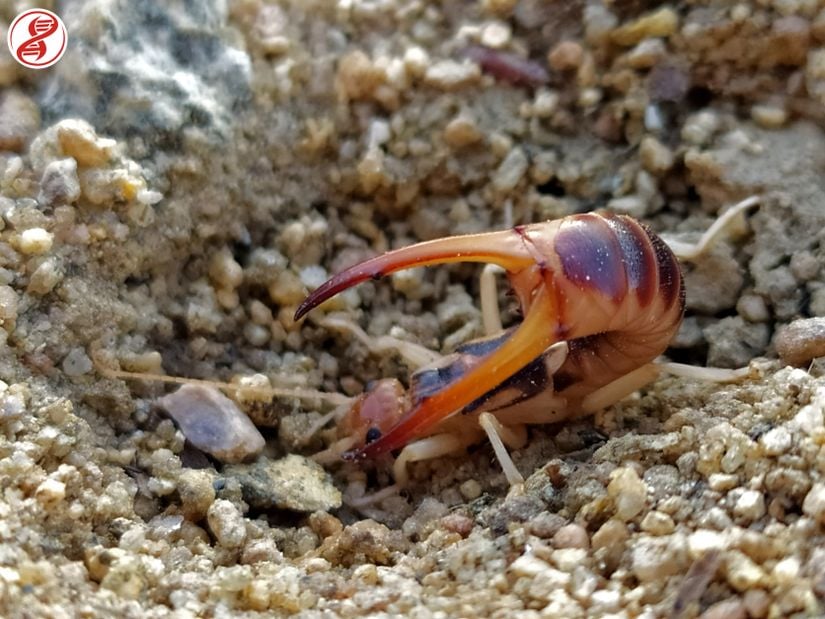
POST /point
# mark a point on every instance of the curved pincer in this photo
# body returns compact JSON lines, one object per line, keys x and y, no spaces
{"x":532,"y":337}
{"x":505,"y":248}
{"x":516,"y":251}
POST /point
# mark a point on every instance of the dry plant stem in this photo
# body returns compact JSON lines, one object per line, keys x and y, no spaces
{"x":336,"y":399}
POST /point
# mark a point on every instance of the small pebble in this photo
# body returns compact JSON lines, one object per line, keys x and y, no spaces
{"x":611,"y":533}
{"x":777,"y":441}
{"x":8,"y":304}
{"x":656,"y":558}
{"x":769,"y":116}
{"x":703,"y":541}
{"x":213,"y":423}
{"x":470,"y":489}
{"x":568,"y":559}
{"x":571,"y":536}
{"x":461,"y":132}
{"x":814,"y":503}
{"x":646,"y":54}
{"x":197,"y":493}
{"x":756,"y":602}
{"x":742,"y":573}
{"x":661,"y":23}
{"x":450,"y":75}
{"x":804,"y":265}
{"x":50,"y":491}
{"x":45,"y":277}
{"x":294,"y":482}
{"x":801,"y":341}
{"x":77,"y":363}
{"x":628,"y":491}
{"x":226,"y":523}
{"x":565,"y":56}
{"x":656,"y":157}
{"x":35,"y":241}
{"x":78,"y":139}
{"x":545,"y":524}
{"x":458,"y":523}
{"x":657,"y":523}
{"x":59,"y":183}
{"x":528,"y":565}
{"x":496,"y":35}
{"x":750,"y":505}
{"x":753,"y":308}
{"x":225,"y":271}
{"x":511,"y":170}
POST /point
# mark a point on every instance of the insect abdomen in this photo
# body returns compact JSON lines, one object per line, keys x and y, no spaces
{"x":624,"y":299}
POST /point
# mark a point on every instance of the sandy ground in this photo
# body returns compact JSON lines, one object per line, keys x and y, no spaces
{"x":173,"y":188}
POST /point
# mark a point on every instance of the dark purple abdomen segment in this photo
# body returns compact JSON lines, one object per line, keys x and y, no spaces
{"x":638,"y":256}
{"x":671,"y":282}
{"x":591,"y":255}
{"x":614,"y":255}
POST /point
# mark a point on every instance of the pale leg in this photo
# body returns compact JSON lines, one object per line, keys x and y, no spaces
{"x":638,"y":378}
{"x":425,"y":449}
{"x":414,"y":355}
{"x":691,"y":251}
{"x":713,"y":375}
{"x":498,"y":435}
{"x":619,"y":388}
{"x":490,"y":313}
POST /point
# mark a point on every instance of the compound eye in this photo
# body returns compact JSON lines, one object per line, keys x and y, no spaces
{"x":373,"y":434}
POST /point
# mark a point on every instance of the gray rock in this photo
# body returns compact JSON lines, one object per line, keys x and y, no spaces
{"x":293,"y":482}
{"x":733,"y":342}
{"x":59,"y":183}
{"x":149,"y":68}
{"x":213,"y":423}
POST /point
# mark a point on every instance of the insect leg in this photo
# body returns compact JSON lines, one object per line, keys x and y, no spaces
{"x":414,"y":355}
{"x":490,"y":311}
{"x":619,"y":388}
{"x":428,"y":449}
{"x":714,"y":375}
{"x":498,"y":434}
{"x":691,"y":251}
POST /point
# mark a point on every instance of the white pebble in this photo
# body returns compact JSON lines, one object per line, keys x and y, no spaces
{"x":50,"y":491}
{"x":750,"y":505}
{"x":35,"y":241}
{"x":703,"y":541}
{"x":777,"y":441}
{"x":814,"y":503}
{"x":629,"y":493}
{"x":787,"y":570}
{"x":226,"y":523}
{"x":528,"y":565}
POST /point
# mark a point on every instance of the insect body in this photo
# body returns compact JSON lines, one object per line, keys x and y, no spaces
{"x":605,"y":284}
{"x":601,"y":295}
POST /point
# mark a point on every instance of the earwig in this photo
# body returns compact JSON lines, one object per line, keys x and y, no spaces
{"x":602,"y":296}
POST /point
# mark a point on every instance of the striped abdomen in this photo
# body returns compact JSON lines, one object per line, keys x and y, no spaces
{"x":619,"y":301}
{"x":622,"y":299}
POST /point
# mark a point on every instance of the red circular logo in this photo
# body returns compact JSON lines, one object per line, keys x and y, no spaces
{"x":37,"y":38}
